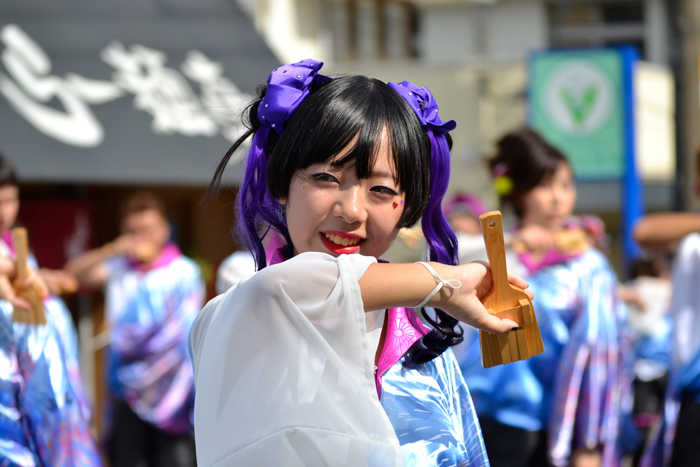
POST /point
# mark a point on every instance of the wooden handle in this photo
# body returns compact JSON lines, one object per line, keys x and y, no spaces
{"x":37,"y":314}
{"x":21,"y":244}
{"x":492,"y":227}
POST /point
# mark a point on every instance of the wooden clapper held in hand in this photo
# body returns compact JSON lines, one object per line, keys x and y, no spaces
{"x":32,"y":294}
{"x":506,"y":301}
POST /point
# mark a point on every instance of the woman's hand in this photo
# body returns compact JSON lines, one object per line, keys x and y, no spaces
{"x":16,"y":292}
{"x":465,"y":304}
{"x":133,"y":247}
{"x":59,"y":281}
{"x":393,"y":285}
{"x":535,"y":239}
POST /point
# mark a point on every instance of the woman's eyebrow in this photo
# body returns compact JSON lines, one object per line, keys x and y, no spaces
{"x":382,"y":174}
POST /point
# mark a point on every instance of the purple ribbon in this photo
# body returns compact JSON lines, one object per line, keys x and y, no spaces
{"x":423,"y":104}
{"x":287,"y":87}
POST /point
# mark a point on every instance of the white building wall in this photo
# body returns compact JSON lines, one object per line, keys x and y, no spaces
{"x":461,"y":33}
{"x":513,"y":30}
{"x":447,"y":34}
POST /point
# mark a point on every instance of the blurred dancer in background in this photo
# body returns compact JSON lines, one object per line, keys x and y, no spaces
{"x":648,"y":298}
{"x":44,"y":417}
{"x":462,"y":212}
{"x":573,"y":400}
{"x":153,"y":294}
{"x":676,"y":436}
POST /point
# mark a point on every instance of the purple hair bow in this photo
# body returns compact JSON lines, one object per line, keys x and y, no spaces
{"x":423,"y":103}
{"x":287,"y":87}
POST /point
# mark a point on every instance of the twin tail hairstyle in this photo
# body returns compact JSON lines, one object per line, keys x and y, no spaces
{"x":326,"y":115}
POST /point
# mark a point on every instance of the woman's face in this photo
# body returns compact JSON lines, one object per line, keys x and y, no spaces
{"x":552,"y":201}
{"x":330,"y":210}
{"x":9,"y":207}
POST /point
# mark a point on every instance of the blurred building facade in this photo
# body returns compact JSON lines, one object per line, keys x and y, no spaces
{"x":473,"y":54}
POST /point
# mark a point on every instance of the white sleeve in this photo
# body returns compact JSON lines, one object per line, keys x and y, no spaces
{"x":285,"y":373}
{"x":686,"y":299}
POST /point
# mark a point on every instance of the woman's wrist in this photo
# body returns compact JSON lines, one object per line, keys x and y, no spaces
{"x":109,"y":249}
{"x":448,"y":274}
{"x":441,"y":283}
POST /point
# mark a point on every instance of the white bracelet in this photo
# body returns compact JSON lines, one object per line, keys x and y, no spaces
{"x":454,"y":283}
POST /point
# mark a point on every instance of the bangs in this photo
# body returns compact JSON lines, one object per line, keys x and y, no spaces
{"x":355,"y":111}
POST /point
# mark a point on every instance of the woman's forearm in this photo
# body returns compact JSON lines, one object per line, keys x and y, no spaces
{"x":660,"y":231}
{"x":394,"y":285}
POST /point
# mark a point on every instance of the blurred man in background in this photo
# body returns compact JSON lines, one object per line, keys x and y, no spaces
{"x":153,"y":294}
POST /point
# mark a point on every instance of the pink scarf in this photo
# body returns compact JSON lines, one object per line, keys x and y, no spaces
{"x":168,"y":254}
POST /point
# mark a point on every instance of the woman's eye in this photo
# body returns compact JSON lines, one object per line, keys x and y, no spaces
{"x":324,"y":177}
{"x":382,"y":190}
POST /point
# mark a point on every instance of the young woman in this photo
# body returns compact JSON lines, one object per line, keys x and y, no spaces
{"x":314,"y":360}
{"x":576,"y":394}
{"x":44,"y":416}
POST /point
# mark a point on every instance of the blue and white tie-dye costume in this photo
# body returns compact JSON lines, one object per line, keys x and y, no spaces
{"x":150,"y":310}
{"x":44,"y":417}
{"x":579,"y":389}
{"x":684,"y":383}
{"x":431,"y":411}
{"x":312,"y":351}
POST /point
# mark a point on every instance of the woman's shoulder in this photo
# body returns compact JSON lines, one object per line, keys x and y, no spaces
{"x":305,"y":266}
{"x":689,"y":244}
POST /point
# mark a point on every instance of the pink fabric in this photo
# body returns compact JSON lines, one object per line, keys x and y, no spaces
{"x":277,"y":257}
{"x":551,"y":258}
{"x":403,"y":330}
{"x":7,"y":238}
{"x":168,"y":255}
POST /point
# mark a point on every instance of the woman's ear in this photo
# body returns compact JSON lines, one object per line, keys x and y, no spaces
{"x":282,"y":201}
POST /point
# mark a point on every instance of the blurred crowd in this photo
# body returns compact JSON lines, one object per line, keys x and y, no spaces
{"x":619,"y":378}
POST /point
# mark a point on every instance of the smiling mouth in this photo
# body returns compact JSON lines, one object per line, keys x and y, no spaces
{"x":341,"y":241}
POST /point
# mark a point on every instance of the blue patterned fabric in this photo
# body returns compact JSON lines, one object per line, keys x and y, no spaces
{"x":579,"y":389}
{"x":68,"y":337}
{"x":432,"y":413}
{"x":41,"y":418}
{"x":150,"y":314}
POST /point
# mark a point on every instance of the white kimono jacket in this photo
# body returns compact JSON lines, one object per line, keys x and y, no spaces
{"x":284,"y":371}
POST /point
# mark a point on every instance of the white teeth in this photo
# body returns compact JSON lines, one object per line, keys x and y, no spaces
{"x":342,"y":241}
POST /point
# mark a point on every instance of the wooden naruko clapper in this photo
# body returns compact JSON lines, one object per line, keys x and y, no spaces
{"x":506,"y":301}
{"x":32,"y":294}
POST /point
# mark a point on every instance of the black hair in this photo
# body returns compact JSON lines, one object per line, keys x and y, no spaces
{"x":527,"y":159}
{"x":329,"y":118}
{"x":8,"y":176}
{"x":341,"y":110}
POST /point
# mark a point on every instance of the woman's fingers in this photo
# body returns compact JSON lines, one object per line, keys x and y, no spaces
{"x":21,"y":302}
{"x":518,"y":281}
{"x":7,"y":292}
{"x":34,"y":281}
{"x":495,"y":325}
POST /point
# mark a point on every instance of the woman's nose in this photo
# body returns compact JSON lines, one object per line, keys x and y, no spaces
{"x":351,"y":206}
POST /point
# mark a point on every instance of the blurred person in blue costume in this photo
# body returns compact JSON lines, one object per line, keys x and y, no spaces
{"x":152,"y":295}
{"x":337,"y":167}
{"x":648,"y":298}
{"x":675,"y":439}
{"x":44,"y":416}
{"x":577,"y":394}
{"x":462,"y":211}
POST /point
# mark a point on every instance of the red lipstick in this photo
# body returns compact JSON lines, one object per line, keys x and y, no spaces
{"x":340,"y":249}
